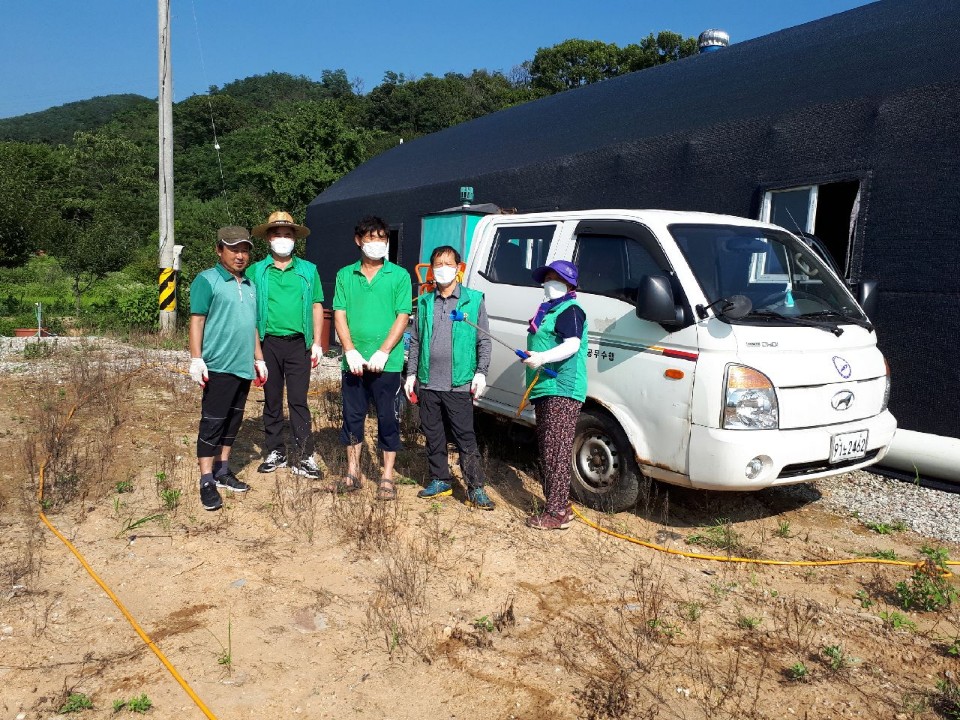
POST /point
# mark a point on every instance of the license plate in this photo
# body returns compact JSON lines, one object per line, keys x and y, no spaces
{"x":848,"y":446}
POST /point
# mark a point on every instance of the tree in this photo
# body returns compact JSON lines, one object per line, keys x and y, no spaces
{"x":307,"y":146}
{"x":29,"y":212}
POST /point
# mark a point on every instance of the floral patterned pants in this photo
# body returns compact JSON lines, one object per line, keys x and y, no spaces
{"x":556,"y":425}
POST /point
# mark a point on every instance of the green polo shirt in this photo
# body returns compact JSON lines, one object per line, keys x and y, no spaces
{"x":229,"y":331}
{"x":285,"y":299}
{"x":372,"y":307}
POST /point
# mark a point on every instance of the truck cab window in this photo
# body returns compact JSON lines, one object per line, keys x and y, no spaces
{"x":612,"y":265}
{"x":517,"y":251}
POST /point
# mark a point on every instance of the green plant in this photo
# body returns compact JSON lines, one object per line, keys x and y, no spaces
{"x":948,"y":700}
{"x":928,"y":587}
{"x":719,"y":536}
{"x":954,"y":647}
{"x":483,"y":623}
{"x":170,"y":498}
{"x":837,"y":659}
{"x":783,"y":529}
{"x":226,"y":657}
{"x":883,"y":554}
{"x":864,"y":598}
{"x":132,"y":524}
{"x":798,"y":672}
{"x":884,"y":528}
{"x":118,"y":705}
{"x":898,"y":621}
{"x":124,"y":486}
{"x":77,"y":702}
{"x":37,"y":350}
{"x":692,"y":610}
{"x":139,"y":704}
{"x":745,"y":622}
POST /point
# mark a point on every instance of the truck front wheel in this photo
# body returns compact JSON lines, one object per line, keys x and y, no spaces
{"x":605,"y":472}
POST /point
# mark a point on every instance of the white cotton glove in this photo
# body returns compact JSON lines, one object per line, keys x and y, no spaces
{"x":355,"y":361}
{"x":567,"y":348}
{"x":316,"y":352}
{"x":198,"y":371}
{"x":478,"y":385}
{"x":377,"y":361}
{"x":260,"y":367}
{"x":533,"y":359}
{"x":408,"y":386}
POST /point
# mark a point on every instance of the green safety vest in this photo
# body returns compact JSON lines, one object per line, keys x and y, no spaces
{"x":307,"y":272}
{"x":571,"y":380}
{"x":464,"y":336}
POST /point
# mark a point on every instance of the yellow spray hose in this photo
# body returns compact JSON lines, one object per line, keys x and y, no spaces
{"x":116,"y":601}
{"x":753,"y":561}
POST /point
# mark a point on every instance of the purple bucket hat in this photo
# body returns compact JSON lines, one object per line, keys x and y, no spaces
{"x":564,"y":268}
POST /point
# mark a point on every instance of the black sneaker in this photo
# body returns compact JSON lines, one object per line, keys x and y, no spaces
{"x":210,"y":497}
{"x":307,"y":468}
{"x":231,"y":482}
{"x":276,"y":459}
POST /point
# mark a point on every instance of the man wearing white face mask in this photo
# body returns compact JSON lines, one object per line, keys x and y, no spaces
{"x":371,"y":306}
{"x":449,"y":360}
{"x":289,"y":322}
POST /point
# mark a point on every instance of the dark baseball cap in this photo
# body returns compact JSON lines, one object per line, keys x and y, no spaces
{"x":233,"y":235}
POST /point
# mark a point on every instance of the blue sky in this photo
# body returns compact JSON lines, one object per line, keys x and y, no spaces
{"x":58,"y":51}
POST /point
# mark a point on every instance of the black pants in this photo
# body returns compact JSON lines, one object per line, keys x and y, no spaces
{"x":357,"y":392}
{"x":453,"y":410}
{"x":288,"y":363}
{"x":221,"y":412}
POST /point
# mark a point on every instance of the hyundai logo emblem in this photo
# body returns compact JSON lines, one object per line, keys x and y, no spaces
{"x":842,"y":366}
{"x":842,"y":400}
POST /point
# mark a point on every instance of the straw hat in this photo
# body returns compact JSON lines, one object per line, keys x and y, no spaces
{"x":280,"y":219}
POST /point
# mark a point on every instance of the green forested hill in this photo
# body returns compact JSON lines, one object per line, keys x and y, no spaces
{"x":58,"y":124}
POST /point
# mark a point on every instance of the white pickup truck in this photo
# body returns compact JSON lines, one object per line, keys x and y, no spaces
{"x":723,"y":353}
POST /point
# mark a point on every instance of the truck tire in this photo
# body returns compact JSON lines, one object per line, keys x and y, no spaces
{"x":605,"y":473}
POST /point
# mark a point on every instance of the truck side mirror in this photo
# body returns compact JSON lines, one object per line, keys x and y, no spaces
{"x":655,"y":302}
{"x":868,"y":296}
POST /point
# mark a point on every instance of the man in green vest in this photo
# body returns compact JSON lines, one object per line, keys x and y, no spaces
{"x":449,"y":360}
{"x":289,"y":323}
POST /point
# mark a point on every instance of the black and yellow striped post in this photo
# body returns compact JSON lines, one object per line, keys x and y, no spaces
{"x":168,"y":290}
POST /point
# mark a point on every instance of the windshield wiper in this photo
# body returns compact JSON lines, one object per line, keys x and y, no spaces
{"x":797,"y":320}
{"x":852,"y":319}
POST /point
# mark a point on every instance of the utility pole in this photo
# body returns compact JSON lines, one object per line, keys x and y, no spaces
{"x":168,"y":256}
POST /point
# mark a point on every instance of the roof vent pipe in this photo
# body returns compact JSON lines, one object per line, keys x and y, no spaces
{"x":713,"y":40}
{"x":466,"y":196}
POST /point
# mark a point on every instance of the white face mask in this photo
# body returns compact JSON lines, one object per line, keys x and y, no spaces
{"x":553,"y":289}
{"x":375,"y":250}
{"x":282,"y":246}
{"x":444,"y":274}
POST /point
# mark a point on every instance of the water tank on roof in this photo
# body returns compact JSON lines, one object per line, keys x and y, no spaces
{"x":713,"y":40}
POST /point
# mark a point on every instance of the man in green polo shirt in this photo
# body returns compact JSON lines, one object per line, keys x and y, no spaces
{"x":225,"y":356}
{"x":289,"y":324}
{"x":371,"y":306}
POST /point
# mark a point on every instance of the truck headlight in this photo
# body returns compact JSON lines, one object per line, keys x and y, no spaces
{"x":750,"y":402}
{"x":886,"y":388}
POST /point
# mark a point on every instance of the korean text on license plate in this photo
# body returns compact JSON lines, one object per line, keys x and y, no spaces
{"x":848,"y":446}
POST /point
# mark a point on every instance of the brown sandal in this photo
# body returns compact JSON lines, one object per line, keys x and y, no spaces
{"x":386,"y":490}
{"x":349,"y":484}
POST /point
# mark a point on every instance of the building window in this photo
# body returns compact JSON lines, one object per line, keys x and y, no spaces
{"x":827,"y":210}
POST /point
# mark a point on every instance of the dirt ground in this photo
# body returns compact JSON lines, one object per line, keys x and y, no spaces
{"x":291,"y":602}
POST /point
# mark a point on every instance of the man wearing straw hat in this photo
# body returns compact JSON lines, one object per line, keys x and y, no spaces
{"x":289,"y":323}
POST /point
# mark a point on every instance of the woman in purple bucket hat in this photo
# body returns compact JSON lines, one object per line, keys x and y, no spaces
{"x":556,"y":339}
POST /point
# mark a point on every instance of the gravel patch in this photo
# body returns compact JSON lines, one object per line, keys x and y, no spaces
{"x":873,"y":498}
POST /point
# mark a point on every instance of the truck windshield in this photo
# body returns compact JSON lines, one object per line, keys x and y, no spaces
{"x":780,"y":274}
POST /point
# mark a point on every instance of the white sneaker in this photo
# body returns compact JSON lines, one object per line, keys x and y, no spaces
{"x":307,"y":468}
